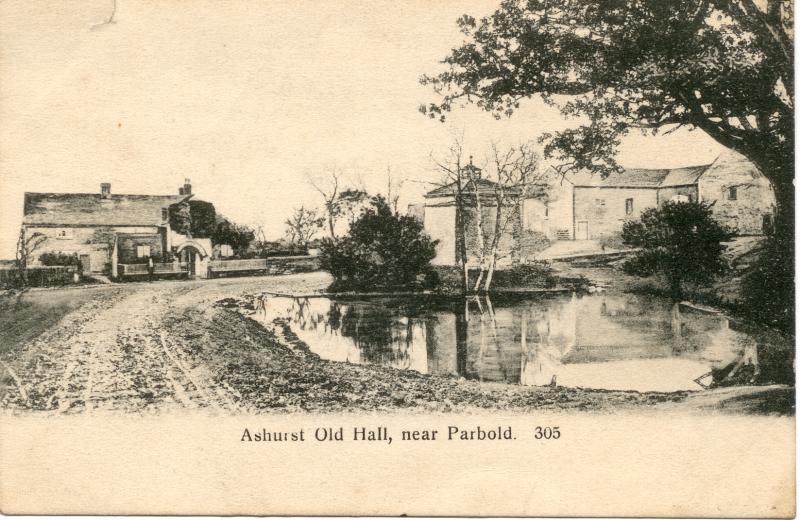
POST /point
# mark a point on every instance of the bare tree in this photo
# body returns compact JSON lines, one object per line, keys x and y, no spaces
{"x":26,"y":246}
{"x":340,"y":199}
{"x":329,"y":188}
{"x":303,"y":225}
{"x":393,"y":187}
{"x":516,"y":171}
{"x":454,"y":175}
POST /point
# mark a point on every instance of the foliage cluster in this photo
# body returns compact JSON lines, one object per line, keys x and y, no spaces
{"x":59,"y":258}
{"x":680,"y":240}
{"x":237,"y":236}
{"x":768,"y":289}
{"x":382,"y":250}
{"x":199,"y":219}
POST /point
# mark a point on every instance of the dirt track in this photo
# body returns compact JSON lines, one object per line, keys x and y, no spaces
{"x":116,"y":352}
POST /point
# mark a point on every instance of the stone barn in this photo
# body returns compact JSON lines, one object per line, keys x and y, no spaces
{"x":583,"y":206}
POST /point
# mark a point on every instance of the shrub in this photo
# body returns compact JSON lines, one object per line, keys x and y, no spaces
{"x":63,"y":259}
{"x":382,"y":250}
{"x":680,"y":240}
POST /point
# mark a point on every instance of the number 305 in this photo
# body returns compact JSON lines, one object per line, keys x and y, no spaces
{"x":546,"y":432}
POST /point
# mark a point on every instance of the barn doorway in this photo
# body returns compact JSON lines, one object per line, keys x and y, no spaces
{"x":86,"y":263}
{"x":582,"y":232}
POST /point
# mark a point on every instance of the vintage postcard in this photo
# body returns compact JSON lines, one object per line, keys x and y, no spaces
{"x":457,"y":257}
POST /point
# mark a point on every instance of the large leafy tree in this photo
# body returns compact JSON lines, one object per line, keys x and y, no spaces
{"x":723,"y":66}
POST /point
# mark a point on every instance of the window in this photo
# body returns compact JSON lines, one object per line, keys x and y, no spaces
{"x":628,"y":206}
{"x":225,"y":250}
{"x":546,"y":212}
{"x":732,"y":193}
{"x":164,"y":214}
{"x":142,"y":251}
{"x":600,"y":202}
{"x":63,"y":234}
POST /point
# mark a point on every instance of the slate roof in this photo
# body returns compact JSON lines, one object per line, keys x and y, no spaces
{"x":92,"y":209}
{"x":641,"y":178}
{"x":485,"y":187}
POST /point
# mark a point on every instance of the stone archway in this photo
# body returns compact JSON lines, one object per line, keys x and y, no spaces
{"x":195,"y":256}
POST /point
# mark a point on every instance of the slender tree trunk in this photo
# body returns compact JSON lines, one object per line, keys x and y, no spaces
{"x":490,"y":272}
{"x":481,"y":239}
{"x":330,"y":225}
{"x":675,"y":287}
{"x":461,"y":240}
{"x":499,"y":228}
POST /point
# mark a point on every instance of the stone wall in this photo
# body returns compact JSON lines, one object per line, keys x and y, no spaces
{"x":552,"y":214}
{"x":754,"y":199}
{"x":128,"y":244}
{"x":601,"y":211}
{"x":440,"y":224}
{"x":508,"y":245}
{"x":96,"y":242}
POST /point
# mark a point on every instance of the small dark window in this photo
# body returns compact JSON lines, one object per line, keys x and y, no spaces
{"x":600,"y":202}
{"x":732,"y":193}
{"x":164,"y":214}
{"x":546,"y":211}
{"x":628,"y":206}
{"x":766,"y":223}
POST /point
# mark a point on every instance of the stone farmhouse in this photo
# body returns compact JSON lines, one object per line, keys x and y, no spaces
{"x":105,"y":229}
{"x":582,"y":206}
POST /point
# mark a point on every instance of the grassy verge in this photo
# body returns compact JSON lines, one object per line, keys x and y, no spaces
{"x":537,"y":275}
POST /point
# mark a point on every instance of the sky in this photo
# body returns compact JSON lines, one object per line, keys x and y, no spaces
{"x":245,"y":98}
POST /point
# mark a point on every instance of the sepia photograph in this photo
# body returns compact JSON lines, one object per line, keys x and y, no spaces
{"x":468,"y":257}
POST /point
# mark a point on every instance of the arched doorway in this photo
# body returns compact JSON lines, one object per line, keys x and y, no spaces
{"x":192,"y":254}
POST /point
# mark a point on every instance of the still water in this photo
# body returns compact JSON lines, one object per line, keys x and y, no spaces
{"x":610,"y":341}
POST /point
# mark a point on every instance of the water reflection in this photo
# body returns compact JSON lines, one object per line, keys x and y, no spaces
{"x":613,"y":341}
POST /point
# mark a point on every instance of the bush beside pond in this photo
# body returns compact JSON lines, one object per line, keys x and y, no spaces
{"x":382,"y":251}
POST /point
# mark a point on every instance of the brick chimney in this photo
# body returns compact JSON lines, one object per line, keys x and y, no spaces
{"x":105,"y":189}
{"x":186,"y":189}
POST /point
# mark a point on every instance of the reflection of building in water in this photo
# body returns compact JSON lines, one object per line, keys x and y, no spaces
{"x":625,"y":342}
{"x":546,"y":335}
{"x":605,"y":341}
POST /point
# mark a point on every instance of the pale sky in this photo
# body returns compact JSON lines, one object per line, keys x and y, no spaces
{"x":244,"y":98}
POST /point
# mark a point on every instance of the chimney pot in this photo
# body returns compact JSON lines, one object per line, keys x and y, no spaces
{"x":187,"y":187}
{"x":105,"y":189}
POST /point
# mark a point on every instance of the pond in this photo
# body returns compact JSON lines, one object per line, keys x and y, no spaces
{"x":602,"y":340}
